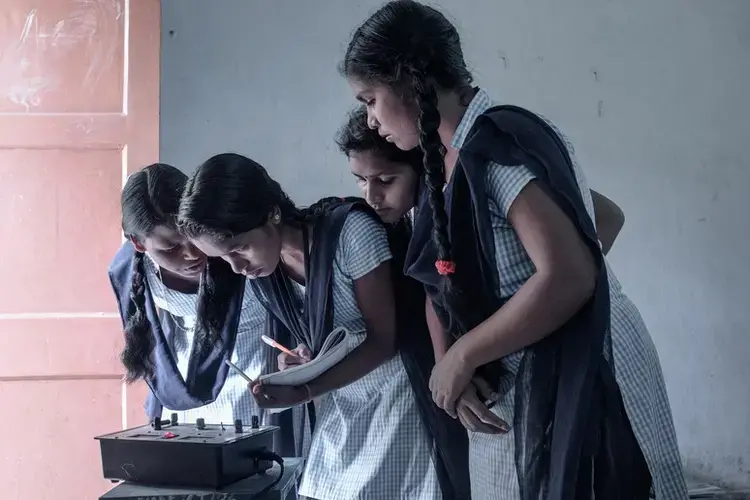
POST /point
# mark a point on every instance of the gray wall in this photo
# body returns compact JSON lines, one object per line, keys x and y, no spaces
{"x":650,"y":93}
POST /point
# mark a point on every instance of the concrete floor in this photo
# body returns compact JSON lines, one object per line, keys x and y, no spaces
{"x":698,"y":489}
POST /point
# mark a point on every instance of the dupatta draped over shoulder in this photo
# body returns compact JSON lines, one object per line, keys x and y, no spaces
{"x":310,"y":320}
{"x":573,"y":440}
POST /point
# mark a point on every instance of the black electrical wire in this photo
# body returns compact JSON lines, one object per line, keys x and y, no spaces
{"x":273,"y":457}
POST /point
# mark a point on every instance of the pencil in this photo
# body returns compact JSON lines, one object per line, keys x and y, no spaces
{"x":273,"y":343}
{"x":237,"y":369}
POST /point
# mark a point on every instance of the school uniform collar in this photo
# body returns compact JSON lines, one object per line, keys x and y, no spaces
{"x":480,"y":103}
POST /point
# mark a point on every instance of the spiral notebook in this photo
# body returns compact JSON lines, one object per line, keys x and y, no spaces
{"x":337,"y":345}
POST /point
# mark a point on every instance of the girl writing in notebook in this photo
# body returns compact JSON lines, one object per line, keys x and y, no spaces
{"x":505,"y":244}
{"x":319,"y":268}
{"x":167,"y":315}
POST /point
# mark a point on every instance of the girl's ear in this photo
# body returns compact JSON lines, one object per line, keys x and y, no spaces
{"x":275,"y":215}
{"x":137,"y":244}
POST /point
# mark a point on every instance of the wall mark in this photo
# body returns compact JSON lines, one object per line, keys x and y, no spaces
{"x":504,"y":58}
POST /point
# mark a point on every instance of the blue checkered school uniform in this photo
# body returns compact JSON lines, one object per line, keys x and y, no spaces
{"x":235,"y":400}
{"x":636,"y":362}
{"x":369,"y":442}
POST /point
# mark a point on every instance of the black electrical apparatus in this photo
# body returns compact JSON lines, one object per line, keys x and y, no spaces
{"x":170,"y":453}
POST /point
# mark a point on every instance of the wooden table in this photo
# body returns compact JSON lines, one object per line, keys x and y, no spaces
{"x":245,"y":489}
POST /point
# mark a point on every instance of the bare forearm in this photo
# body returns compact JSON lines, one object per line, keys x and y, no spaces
{"x":438,"y":336}
{"x":362,"y":360}
{"x":564,"y":281}
{"x":541,"y":306}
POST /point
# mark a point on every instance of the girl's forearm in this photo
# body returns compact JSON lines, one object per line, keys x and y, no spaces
{"x":439,"y":337}
{"x":543,"y":304}
{"x":362,"y":360}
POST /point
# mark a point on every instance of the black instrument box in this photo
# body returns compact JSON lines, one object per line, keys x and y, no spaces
{"x":186,"y":455}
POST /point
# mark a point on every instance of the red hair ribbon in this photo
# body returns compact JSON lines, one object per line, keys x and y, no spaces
{"x":445,"y":267}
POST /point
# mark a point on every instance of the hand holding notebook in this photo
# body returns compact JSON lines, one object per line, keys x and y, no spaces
{"x":337,"y":345}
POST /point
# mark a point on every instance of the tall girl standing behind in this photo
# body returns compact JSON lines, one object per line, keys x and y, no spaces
{"x":156,"y":276}
{"x":505,"y":245}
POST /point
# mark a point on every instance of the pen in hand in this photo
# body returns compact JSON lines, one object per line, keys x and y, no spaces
{"x":273,"y":343}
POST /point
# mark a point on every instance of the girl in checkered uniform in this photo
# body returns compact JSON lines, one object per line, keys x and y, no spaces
{"x":316,"y":269}
{"x":506,"y":247}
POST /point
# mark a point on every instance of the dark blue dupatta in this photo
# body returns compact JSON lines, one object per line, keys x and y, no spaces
{"x":573,"y":440}
{"x":206,"y":370}
{"x":310,"y":320}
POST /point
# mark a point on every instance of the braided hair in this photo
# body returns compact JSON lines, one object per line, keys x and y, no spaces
{"x":149,"y":199}
{"x":415,"y":51}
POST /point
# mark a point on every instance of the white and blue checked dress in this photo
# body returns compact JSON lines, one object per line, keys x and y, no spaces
{"x":235,"y":400}
{"x":637,"y":367}
{"x":369,"y":443}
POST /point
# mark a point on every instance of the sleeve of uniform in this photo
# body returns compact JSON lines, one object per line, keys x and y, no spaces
{"x":504,"y":184}
{"x":363,"y":245}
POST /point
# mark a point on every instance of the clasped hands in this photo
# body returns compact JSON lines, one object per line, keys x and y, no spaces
{"x":461,"y":394}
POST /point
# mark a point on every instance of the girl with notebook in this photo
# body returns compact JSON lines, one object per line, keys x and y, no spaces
{"x":327,"y":266}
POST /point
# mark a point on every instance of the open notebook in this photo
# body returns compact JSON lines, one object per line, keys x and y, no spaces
{"x":337,"y":345}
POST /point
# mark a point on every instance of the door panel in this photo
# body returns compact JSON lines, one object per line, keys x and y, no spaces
{"x":79,"y":90}
{"x":65,"y":205}
{"x":53,"y":456}
{"x":63,"y":56}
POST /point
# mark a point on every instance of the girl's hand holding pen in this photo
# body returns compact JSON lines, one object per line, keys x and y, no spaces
{"x":288,"y":358}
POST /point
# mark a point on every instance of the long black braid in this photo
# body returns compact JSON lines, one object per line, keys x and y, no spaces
{"x":433,"y":151}
{"x":415,"y":50}
{"x":136,"y":356}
